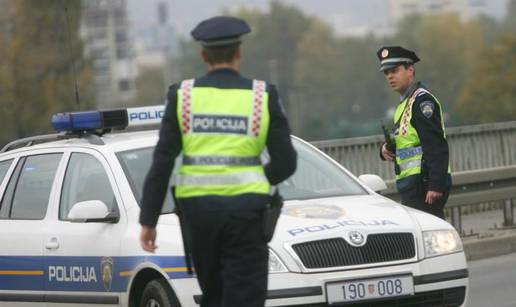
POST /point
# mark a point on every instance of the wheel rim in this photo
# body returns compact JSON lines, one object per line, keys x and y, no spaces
{"x":152,"y":303}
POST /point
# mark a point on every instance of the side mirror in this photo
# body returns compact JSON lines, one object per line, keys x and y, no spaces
{"x":374,"y":182}
{"x":92,"y":211}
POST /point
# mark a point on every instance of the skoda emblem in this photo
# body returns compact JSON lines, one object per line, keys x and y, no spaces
{"x":356,"y":238}
{"x":106,"y":266}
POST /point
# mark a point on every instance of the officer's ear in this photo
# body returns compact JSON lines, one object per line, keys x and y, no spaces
{"x":204,"y":56}
{"x":237,"y":53}
{"x":411,"y":68}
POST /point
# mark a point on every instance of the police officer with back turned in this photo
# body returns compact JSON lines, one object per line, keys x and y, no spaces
{"x":420,"y":149}
{"x":221,"y":122}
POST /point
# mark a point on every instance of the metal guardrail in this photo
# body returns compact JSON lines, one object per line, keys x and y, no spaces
{"x":482,"y":157}
{"x":471,"y":147}
{"x":476,"y":187}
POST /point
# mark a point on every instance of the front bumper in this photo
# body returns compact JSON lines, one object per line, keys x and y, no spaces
{"x":443,"y":276}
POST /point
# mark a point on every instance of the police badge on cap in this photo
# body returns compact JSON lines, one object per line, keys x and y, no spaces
{"x":393,"y":56}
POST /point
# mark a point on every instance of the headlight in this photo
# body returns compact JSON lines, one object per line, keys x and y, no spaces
{"x":441,"y":242}
{"x":275,"y":264}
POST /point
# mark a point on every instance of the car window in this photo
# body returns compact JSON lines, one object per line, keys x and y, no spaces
{"x":32,"y":189}
{"x":136,"y":164}
{"x":85,"y":179}
{"x":4,"y":167}
{"x":316,"y":176}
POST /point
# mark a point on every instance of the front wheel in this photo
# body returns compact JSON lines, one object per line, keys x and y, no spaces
{"x":157,"y":293}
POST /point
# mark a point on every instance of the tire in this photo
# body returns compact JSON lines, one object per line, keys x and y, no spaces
{"x":157,"y":293}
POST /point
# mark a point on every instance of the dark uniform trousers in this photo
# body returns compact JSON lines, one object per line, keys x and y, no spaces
{"x":415,"y":197}
{"x":230,"y":256}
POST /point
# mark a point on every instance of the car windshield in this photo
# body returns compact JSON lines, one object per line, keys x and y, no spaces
{"x":316,"y":176}
{"x":136,"y":164}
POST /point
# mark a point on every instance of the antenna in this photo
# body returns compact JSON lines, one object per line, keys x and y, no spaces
{"x":74,"y":71}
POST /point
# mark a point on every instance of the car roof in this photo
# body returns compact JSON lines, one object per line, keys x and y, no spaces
{"x":113,"y":141}
{"x":116,"y":141}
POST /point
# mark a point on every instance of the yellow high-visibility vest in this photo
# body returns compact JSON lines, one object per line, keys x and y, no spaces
{"x":224,"y":132}
{"x":409,"y":152}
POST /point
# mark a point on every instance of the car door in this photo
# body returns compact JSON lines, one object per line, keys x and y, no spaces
{"x":82,"y":256}
{"x":26,"y":191}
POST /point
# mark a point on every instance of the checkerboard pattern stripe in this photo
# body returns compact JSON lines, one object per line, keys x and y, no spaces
{"x":186,"y":104}
{"x":408,"y":110}
{"x":258,"y":96}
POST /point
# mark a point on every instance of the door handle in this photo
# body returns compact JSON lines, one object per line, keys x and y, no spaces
{"x":52,"y":244}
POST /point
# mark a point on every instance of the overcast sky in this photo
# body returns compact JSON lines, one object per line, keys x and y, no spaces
{"x":345,"y":14}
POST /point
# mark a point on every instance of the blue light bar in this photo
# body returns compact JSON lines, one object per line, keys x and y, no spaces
{"x":77,"y":121}
{"x":91,"y":121}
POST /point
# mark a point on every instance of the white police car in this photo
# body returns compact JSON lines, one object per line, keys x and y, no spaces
{"x":69,"y":230}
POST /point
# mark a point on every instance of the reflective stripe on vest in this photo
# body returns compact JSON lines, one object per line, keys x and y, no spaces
{"x":405,"y":120}
{"x":221,"y":160}
{"x":405,"y":153}
{"x":258,"y":91}
{"x":186,"y":104}
{"x":410,"y":164}
{"x":228,"y":179}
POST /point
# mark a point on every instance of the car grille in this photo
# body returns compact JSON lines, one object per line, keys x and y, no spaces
{"x":336,"y":252}
{"x":452,"y":297}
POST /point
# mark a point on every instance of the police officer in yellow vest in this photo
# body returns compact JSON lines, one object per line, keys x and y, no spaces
{"x":420,"y":153}
{"x":221,"y":122}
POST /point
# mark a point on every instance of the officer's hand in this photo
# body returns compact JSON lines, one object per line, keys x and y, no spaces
{"x":432,"y":196}
{"x":148,"y":239}
{"x":387,"y":155}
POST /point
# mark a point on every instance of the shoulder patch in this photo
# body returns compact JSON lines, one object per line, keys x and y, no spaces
{"x":427,"y":108}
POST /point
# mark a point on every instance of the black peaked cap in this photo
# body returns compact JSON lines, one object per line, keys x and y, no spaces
{"x":220,"y":31}
{"x":392,"y":56}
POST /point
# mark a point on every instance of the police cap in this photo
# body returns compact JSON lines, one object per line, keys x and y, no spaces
{"x":220,"y":31}
{"x":393,"y":56}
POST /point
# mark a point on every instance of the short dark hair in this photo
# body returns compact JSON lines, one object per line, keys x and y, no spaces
{"x":218,"y":55}
{"x":407,"y":65}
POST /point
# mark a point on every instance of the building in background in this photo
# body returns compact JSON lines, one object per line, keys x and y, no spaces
{"x":104,"y":30}
{"x":156,"y":42}
{"x":466,"y":9}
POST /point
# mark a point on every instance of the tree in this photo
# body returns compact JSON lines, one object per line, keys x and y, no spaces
{"x":448,"y":49}
{"x":331,"y":85}
{"x":37,"y":65}
{"x":271,"y":50}
{"x":189,"y":63}
{"x":510,"y":19}
{"x":314,"y":96}
{"x":339,"y":86}
{"x":150,"y":87}
{"x":490,"y":95}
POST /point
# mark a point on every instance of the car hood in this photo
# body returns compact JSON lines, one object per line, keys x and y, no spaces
{"x":326,"y":217}
{"x":305,"y":220}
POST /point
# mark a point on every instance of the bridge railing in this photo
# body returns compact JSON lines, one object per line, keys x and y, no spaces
{"x":482,"y":158}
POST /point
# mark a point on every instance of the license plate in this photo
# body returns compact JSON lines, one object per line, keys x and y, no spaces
{"x":368,"y":289}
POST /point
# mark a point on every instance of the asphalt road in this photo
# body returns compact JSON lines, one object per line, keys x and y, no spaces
{"x":493,"y":282}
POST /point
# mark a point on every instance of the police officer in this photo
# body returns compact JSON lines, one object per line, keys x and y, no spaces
{"x":420,"y":153}
{"x":221,"y":122}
